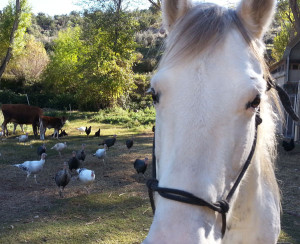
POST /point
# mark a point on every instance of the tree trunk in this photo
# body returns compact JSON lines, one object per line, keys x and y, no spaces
{"x":156,"y":4}
{"x":11,"y":39}
{"x":296,"y":12}
{"x":118,"y":4}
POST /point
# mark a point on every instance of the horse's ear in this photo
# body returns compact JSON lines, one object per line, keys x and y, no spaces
{"x":173,"y":10}
{"x":256,"y":15}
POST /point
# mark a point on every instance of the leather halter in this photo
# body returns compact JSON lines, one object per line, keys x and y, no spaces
{"x":221,"y":206}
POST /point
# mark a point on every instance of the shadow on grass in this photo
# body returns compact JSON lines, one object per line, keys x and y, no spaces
{"x":85,"y":219}
{"x":289,"y":227}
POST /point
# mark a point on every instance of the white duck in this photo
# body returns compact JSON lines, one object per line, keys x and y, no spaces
{"x":59,"y":147}
{"x":32,"y":167}
{"x":86,"y":176}
{"x":101,"y":153}
{"x":23,"y":138}
{"x":81,"y":129}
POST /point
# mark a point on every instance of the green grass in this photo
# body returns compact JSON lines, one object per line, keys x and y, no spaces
{"x":96,"y":218}
{"x":130,"y":119}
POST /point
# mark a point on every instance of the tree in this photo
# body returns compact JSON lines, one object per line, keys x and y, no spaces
{"x":30,"y":64}
{"x":62,"y":75}
{"x":106,"y":74}
{"x":295,"y":9}
{"x":11,"y":39}
{"x":106,"y":67}
{"x":13,"y":24}
{"x":156,"y":4}
{"x":288,"y":17}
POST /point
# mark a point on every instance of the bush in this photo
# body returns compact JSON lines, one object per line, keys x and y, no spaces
{"x":7,"y":96}
{"x":147,"y":65}
{"x":59,"y":101}
{"x":138,"y":100}
{"x":127,"y":118}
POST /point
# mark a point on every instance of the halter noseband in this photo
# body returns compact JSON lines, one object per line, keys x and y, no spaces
{"x":221,"y":206}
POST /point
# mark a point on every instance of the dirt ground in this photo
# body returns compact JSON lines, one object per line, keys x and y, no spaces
{"x":18,"y":199}
{"x":288,"y":174}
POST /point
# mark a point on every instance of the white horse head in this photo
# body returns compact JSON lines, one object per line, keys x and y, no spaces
{"x":210,"y":84}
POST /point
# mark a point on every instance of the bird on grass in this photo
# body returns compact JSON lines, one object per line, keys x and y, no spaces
{"x":22,"y":138}
{"x":59,"y":147}
{"x":288,"y":146}
{"x":97,"y":133}
{"x":62,"y":178}
{"x":88,"y":130}
{"x":41,"y":149}
{"x":101,"y":153}
{"x":32,"y":167}
{"x":80,"y":154}
{"x":73,"y":162}
{"x":86,"y":176}
{"x":129,"y":143}
{"x":61,"y":134}
{"x":141,"y":165}
{"x":81,"y":129}
{"x":109,"y":142}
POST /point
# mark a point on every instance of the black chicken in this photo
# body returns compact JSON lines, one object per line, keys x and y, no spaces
{"x":74,"y":162}
{"x":62,"y":133}
{"x":141,"y":165}
{"x":288,"y":146}
{"x":62,"y":178}
{"x":129,"y":143}
{"x":109,"y":142}
{"x":88,"y":130}
{"x":97,"y":133}
{"x":80,"y":154}
{"x":41,"y":149}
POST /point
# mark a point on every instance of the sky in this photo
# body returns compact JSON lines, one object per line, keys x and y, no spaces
{"x":57,"y":7}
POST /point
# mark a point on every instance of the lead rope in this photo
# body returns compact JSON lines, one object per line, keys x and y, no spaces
{"x":150,"y":191}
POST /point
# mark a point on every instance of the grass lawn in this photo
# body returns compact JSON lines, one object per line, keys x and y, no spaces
{"x":117,"y":210}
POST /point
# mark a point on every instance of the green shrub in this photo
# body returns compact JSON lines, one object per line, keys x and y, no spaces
{"x":127,"y":118}
{"x":7,"y":96}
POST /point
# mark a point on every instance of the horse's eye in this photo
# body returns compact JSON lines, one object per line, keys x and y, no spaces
{"x":155,"y":96}
{"x":255,"y":103}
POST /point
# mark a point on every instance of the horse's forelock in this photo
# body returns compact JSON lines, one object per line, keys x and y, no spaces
{"x":202,"y":27}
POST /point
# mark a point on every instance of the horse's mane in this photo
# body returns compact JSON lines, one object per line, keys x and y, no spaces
{"x":203,"y":27}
